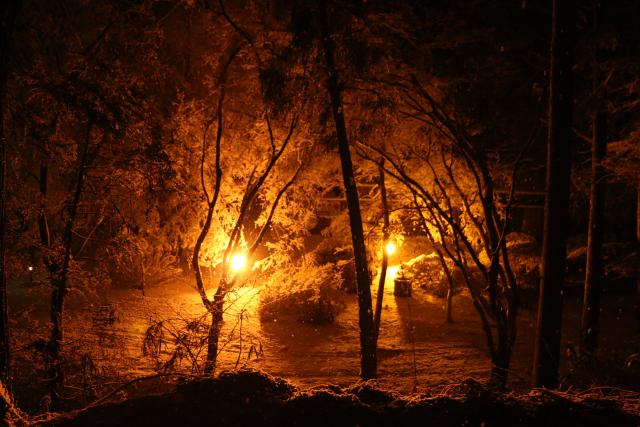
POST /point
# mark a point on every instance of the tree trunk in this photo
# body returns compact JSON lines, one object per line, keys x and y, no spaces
{"x":43,"y":225}
{"x":368,"y":358}
{"x":638,"y":211}
{"x":549,"y":324}
{"x":594,"y":274}
{"x":143,"y":274}
{"x":449,"y":307}
{"x":4,"y":308}
{"x":441,"y":258}
{"x":8,"y":15}
{"x":59,"y":282}
{"x":214,"y":307}
{"x":385,"y":256}
{"x":638,"y":251}
{"x":500,"y":360}
{"x":214,"y":334}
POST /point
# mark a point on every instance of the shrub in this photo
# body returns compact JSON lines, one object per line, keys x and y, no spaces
{"x":308,"y":292}
{"x":427,"y":272}
{"x":153,"y":266}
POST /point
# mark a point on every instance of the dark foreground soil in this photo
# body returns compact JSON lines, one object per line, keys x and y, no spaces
{"x":252,"y":398}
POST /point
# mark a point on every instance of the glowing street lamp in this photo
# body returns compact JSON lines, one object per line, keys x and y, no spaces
{"x":390,"y":248}
{"x":238,"y":262}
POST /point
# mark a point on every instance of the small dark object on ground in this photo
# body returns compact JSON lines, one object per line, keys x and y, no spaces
{"x":402,"y":287}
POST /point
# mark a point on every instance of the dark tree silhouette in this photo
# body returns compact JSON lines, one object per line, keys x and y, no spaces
{"x":594,"y":269}
{"x":7,"y":18}
{"x":549,"y":325}
{"x":60,"y":273}
{"x":368,"y":358}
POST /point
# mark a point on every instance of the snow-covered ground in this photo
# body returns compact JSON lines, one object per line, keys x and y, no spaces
{"x":416,"y":347}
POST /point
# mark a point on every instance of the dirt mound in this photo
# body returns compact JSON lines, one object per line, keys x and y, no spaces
{"x":253,"y":398}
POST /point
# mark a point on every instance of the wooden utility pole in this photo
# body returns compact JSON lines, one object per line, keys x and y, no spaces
{"x":556,"y":216}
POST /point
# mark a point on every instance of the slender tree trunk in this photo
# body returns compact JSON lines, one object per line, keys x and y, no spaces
{"x":449,"y":276}
{"x":638,"y":251}
{"x":43,"y":225}
{"x":441,"y":258}
{"x":143,"y":273}
{"x":217,"y":311}
{"x":449,"y":306}
{"x":594,"y":274}
{"x":385,"y":256}
{"x":59,"y":282}
{"x":9,"y":11}
{"x":638,"y":211}
{"x":501,"y":360}
{"x":215,"y":307}
{"x":368,"y":358}
{"x":549,"y":324}
{"x":4,"y":308}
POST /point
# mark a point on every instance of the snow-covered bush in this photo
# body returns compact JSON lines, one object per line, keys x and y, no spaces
{"x":426,"y":272}
{"x":308,"y":292}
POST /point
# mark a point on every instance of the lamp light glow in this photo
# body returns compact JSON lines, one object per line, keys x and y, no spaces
{"x":390,"y":248}
{"x":238,"y":262}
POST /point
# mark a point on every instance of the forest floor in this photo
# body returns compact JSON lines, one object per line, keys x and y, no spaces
{"x":418,"y":349}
